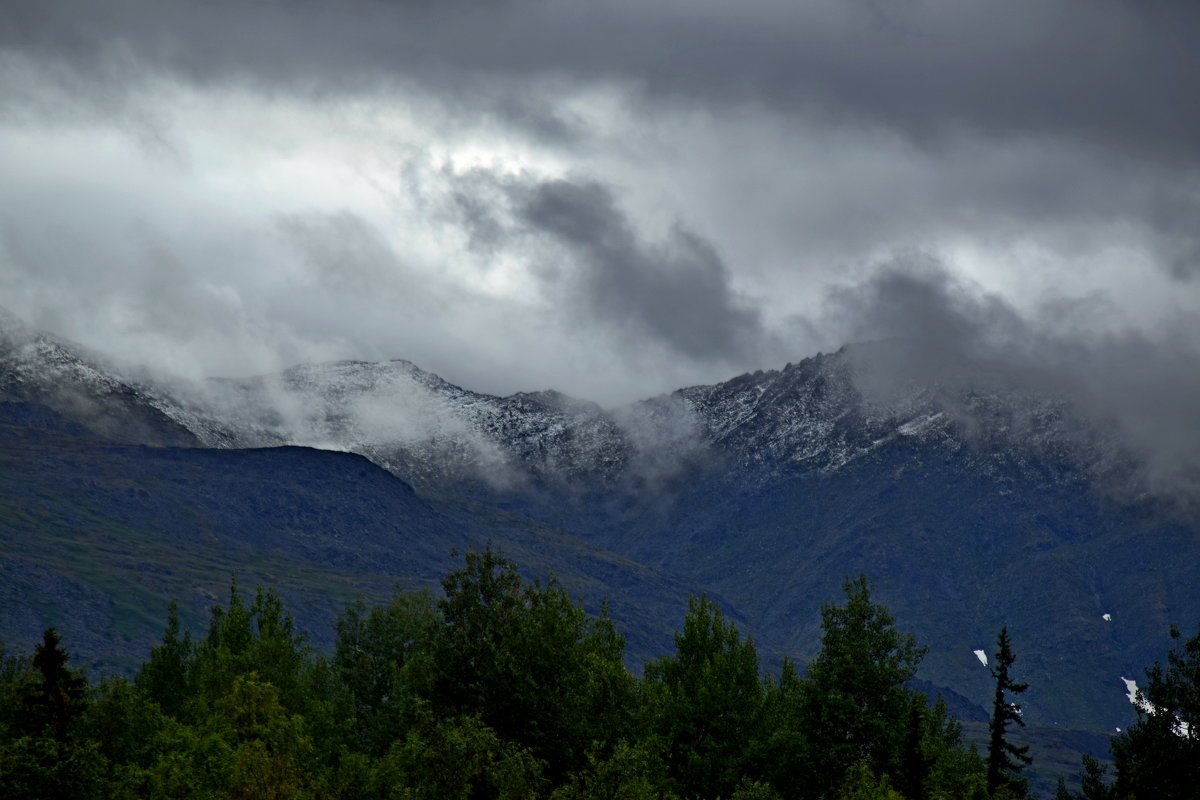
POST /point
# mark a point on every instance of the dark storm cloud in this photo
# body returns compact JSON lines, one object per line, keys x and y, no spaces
{"x":915,"y":297}
{"x":678,"y":292}
{"x":1174,"y":214}
{"x":1115,"y":74}
{"x":1144,"y":386}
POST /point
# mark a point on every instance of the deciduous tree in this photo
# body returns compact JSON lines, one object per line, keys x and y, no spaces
{"x":857,"y":704}
{"x":529,"y":662}
{"x":708,"y":699}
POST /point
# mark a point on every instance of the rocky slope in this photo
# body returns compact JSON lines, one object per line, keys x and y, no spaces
{"x":38,"y":367}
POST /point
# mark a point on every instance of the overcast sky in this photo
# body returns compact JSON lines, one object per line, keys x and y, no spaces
{"x":609,"y":197}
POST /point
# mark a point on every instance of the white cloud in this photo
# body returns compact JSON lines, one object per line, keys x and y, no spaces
{"x":228,"y":204}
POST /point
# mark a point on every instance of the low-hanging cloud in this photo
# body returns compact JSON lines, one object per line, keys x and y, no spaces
{"x":677,"y":292}
{"x":1144,"y":386}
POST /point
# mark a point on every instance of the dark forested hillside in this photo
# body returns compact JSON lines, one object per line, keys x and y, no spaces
{"x":97,"y":535}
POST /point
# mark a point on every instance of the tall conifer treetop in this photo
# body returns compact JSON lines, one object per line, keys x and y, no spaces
{"x":1005,"y":760}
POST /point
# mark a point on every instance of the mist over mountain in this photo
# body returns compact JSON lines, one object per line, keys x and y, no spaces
{"x":38,"y":367}
{"x":974,"y":497}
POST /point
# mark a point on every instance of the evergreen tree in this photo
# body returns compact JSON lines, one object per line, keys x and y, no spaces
{"x":503,"y":689}
{"x":164,"y":677}
{"x":1005,"y":760}
{"x":916,"y":764}
{"x":58,"y":695}
{"x":44,"y":757}
{"x":1159,"y":755}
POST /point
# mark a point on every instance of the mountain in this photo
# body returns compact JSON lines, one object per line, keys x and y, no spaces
{"x":973,"y":500}
{"x":98,"y":535}
{"x":38,"y":367}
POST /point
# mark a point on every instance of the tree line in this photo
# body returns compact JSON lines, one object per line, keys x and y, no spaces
{"x":504,"y":688}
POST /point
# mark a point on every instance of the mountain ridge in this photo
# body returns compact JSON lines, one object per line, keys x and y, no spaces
{"x":971,"y":501}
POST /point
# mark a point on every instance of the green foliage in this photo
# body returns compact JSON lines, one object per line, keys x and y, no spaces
{"x":708,"y":701}
{"x":268,"y":748}
{"x":1005,"y":759}
{"x":328,"y":711}
{"x":15,"y":674}
{"x":257,"y":638}
{"x":501,"y":688}
{"x":754,"y":790}
{"x":1093,"y":783}
{"x":50,"y":768}
{"x":856,"y":705}
{"x":128,"y":728}
{"x":377,"y":653}
{"x":631,"y":772}
{"x":862,"y":784}
{"x":956,"y":771}
{"x":528,"y":662}
{"x":351,"y":776}
{"x":41,"y":754}
{"x":1159,"y":755}
{"x":458,"y":759}
{"x":781,"y":742}
{"x":194,"y":764}
{"x":165,"y":676}
{"x":56,"y":696}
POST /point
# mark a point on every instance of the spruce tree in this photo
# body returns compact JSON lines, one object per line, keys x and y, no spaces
{"x":165,"y":676}
{"x":1005,"y":760}
{"x":915,"y":765}
{"x":58,"y":695}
